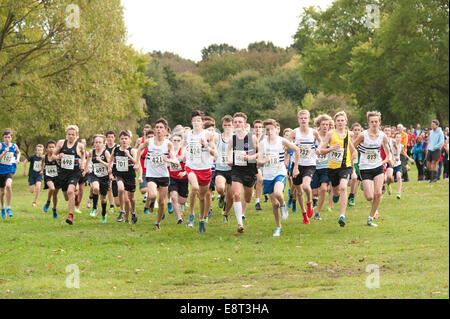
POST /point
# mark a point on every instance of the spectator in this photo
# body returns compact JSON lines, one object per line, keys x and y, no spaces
{"x":403,"y":159}
{"x":411,"y":141}
{"x":436,"y":141}
{"x":418,"y":130}
{"x":418,"y":157}
{"x":444,"y":154}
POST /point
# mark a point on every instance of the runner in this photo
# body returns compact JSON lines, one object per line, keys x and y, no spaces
{"x":292,"y":201}
{"x":436,"y":141}
{"x":371,"y":164}
{"x":200,"y":148}
{"x":123,"y":161}
{"x":99,"y":157}
{"x":242,"y":157}
{"x":50,"y":170}
{"x":320,"y":181}
{"x":210,"y":126}
{"x":355,"y":179}
{"x":9,"y":158}
{"x":79,"y":191}
{"x":340,"y":162}
{"x":223,"y":171}
{"x":142,"y":176}
{"x":157,"y":174}
{"x":113,"y":193}
{"x":178,"y":185}
{"x":258,"y":129}
{"x":71,"y":154}
{"x":304,"y":138}
{"x":34,"y":173}
{"x":271,"y":156}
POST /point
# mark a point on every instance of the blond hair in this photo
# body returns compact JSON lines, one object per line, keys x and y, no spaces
{"x":72,"y":127}
{"x":341,"y":113}
{"x":323,"y":117}
{"x":373,"y":113}
{"x":303,"y":112}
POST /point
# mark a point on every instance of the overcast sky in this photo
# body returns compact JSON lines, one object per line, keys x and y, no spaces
{"x":185,"y":27}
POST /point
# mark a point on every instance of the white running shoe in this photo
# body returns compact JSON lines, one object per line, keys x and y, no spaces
{"x":284,"y":212}
{"x":277,"y":232}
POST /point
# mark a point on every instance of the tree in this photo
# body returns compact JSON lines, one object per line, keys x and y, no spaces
{"x":217,"y":50}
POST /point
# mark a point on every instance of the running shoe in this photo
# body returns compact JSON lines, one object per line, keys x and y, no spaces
{"x":383,"y":190}
{"x":144,"y":199}
{"x":243,"y":217}
{"x":103,"y":220}
{"x":3,"y":213}
{"x":120,"y":217}
{"x":89,"y":203}
{"x":190,"y":221}
{"x":225,"y":218}
{"x":335,"y":199}
{"x":305,"y":219}
{"x":317,"y":216}
{"x":134,"y":218}
{"x":46,"y":206}
{"x":69,"y":219}
{"x":180,"y":221}
{"x":156,"y":205}
{"x":202,"y":227}
{"x":9,"y":212}
{"x":94,"y":212}
{"x":169,"y":207}
{"x":210,"y":213}
{"x":157,"y":226}
{"x":389,"y":189}
{"x":277,"y":232}
{"x":55,"y":214}
{"x":240,"y":229}
{"x":266,"y":199}
{"x":221,"y":203}
{"x":309,"y":210}
{"x":341,"y":221}
{"x":258,"y":206}
{"x":289,"y":203}
{"x":77,"y":210}
{"x":152,"y":206}
{"x":146,"y":212}
{"x":284,"y":212}
{"x":399,"y":196}
{"x":33,"y":205}
{"x":314,"y":203}
{"x":163,"y":216}
{"x":371,"y":223}
{"x":111,"y":210}
{"x":351,"y":202}
{"x":294,"y":206}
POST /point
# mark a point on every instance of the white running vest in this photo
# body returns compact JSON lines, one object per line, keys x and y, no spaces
{"x":154,"y":164}
{"x":307,"y":154}
{"x":197,"y":157}
{"x":370,"y":151}
{"x":275,"y":166}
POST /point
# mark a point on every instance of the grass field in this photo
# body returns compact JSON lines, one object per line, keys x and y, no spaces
{"x":320,"y":260}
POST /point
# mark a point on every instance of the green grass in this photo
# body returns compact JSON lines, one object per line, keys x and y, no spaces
{"x":117,"y":260}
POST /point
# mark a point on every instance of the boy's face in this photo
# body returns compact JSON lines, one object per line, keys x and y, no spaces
{"x":176,"y":140}
{"x":71,"y":135}
{"x":39,"y":150}
{"x":51,"y":148}
{"x":111,"y":139}
{"x":340,"y":122}
{"x":211,"y":129}
{"x":324,"y":126}
{"x":258,"y":127}
{"x":227,"y":126}
{"x":398,"y":138}
{"x":98,"y":143}
{"x":238,"y":122}
{"x":303,"y":120}
{"x":374,"y":122}
{"x":160,"y":129}
{"x":7,"y":139}
{"x":387,"y":131}
{"x":197,"y":122}
{"x":271,"y":130}
{"x":286,"y":134}
{"x":124,"y":141}
{"x":356,"y":130}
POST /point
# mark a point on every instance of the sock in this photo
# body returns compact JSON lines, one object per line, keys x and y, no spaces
{"x":95,"y":202}
{"x":8,"y":207}
{"x":111,"y":206}
{"x":103,"y":209}
{"x":257,"y":200}
{"x":351,"y":196}
{"x":47,"y":203}
{"x":169,"y":201}
{"x":314,"y":201}
{"x":238,"y":211}
{"x":370,"y":218}
{"x":181,"y":208}
{"x":91,"y":197}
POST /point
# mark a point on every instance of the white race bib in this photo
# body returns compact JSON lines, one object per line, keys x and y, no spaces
{"x":337,"y":156}
{"x":223,"y":159}
{"x":239,"y":158}
{"x":305,"y":151}
{"x":175,"y":167}
{"x":195,"y":152}
{"x":7,"y":159}
{"x":122,"y":163}
{"x":51,"y":170}
{"x":37,"y":166}
{"x":273,"y":161}
{"x":100,"y":170}
{"x":68,"y":161}
{"x":371,"y":156}
{"x":156,"y":159}
{"x":323,"y":158}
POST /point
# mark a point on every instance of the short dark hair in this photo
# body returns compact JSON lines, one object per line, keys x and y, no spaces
{"x":110,"y":133}
{"x":227,"y":118}
{"x":50,"y":142}
{"x":163,"y":121}
{"x":209,"y":119}
{"x":257,"y":122}
{"x":240,"y":114}
{"x":208,"y":124}
{"x":197,"y":113}
{"x":124,"y":133}
{"x":7,"y":131}
{"x":150,"y":132}
{"x":435,"y":122}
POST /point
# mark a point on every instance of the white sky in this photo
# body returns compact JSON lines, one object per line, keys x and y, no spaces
{"x":185,"y":27}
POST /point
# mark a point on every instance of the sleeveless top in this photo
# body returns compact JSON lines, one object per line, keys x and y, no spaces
{"x":222,"y":158}
{"x":175,"y":169}
{"x":307,"y":154}
{"x":51,"y":168}
{"x":275,"y":166}
{"x":154,"y":163}
{"x":337,"y":157}
{"x":242,"y":147}
{"x":98,"y":169}
{"x":8,"y":162}
{"x":197,"y":156}
{"x":70,"y":163}
{"x":394,"y":150}
{"x":370,"y":151}
{"x":123,"y":166}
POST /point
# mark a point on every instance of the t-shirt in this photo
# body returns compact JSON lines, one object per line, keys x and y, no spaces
{"x":35,"y":165}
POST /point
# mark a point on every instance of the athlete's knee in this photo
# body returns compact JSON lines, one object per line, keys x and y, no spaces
{"x":342,"y":189}
{"x":195,"y":189}
{"x":377,"y":194}
{"x":152,"y":197}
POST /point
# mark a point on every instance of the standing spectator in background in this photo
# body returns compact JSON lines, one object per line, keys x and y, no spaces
{"x":444,"y":154}
{"x":436,"y":140}
{"x":418,"y":157}
{"x":411,"y":141}
{"x":403,"y":159}
{"x":418,"y":130}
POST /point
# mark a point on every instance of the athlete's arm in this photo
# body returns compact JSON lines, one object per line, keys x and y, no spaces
{"x":253,"y":157}
{"x":88,"y":161}
{"x":18,"y":155}
{"x":323,"y":146}
{"x":42,"y":165}
{"x":319,"y":140}
{"x":359,"y":139}
{"x":387,"y":150}
{"x":107,"y":157}
{"x":292,"y":136}
{"x":173,"y":158}
{"x":296,"y":150}
{"x":25,"y":167}
{"x":133,"y":156}
{"x":211,"y":146}
{"x":353,"y":152}
{"x":82,"y":156}
{"x":261,"y":160}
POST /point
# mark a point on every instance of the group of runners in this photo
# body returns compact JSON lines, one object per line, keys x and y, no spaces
{"x":239,"y":162}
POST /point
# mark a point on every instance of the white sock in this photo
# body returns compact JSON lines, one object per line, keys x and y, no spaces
{"x":181,"y":208}
{"x":370,"y":218}
{"x":257,"y":200}
{"x":169,"y":201}
{"x":238,"y":212}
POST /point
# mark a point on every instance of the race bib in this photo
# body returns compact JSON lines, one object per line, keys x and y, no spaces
{"x":223,"y":159}
{"x":239,"y":158}
{"x":305,"y":151}
{"x":156,"y":159}
{"x":7,"y":159}
{"x":122,"y":163}
{"x":195,"y":152}
{"x":37,"y":166}
{"x":68,"y":161}
{"x":100,"y":170}
{"x":175,"y":167}
{"x":323,"y":158}
{"x":273,"y":160}
{"x":337,"y":156}
{"x":371,"y":156}
{"x":51,"y":170}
